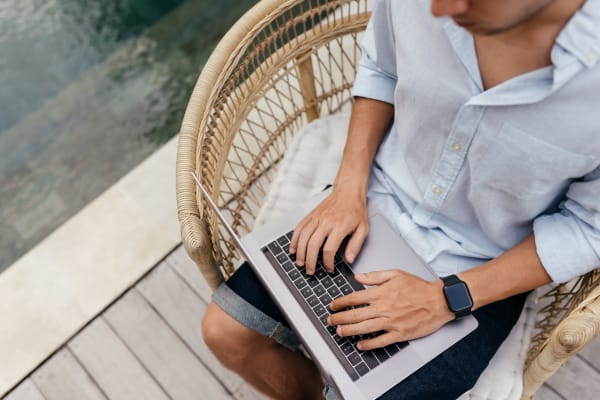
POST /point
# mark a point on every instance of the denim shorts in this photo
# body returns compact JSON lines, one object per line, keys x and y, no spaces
{"x":446,"y":377}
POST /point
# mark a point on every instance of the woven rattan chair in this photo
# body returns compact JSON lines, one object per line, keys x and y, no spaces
{"x":283,"y":64}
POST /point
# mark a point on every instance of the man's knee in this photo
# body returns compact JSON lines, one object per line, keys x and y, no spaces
{"x":230,"y":341}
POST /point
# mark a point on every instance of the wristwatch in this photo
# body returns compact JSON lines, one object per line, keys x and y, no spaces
{"x":457,"y":296}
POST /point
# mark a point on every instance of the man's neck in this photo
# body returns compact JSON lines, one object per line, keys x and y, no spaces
{"x":541,"y":29}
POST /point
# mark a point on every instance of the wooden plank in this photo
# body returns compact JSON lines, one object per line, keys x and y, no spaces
{"x":547,"y":393}
{"x":576,"y":380}
{"x":182,"y":308}
{"x":114,"y":368}
{"x":591,"y":353}
{"x":63,"y":378}
{"x":188,"y":270}
{"x":161,"y":351}
{"x":25,"y":391}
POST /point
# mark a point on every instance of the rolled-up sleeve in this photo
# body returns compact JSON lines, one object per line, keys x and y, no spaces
{"x":568,"y":242}
{"x":376,"y":71}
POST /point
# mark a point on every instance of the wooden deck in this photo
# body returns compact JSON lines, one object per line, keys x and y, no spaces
{"x":147,"y":345}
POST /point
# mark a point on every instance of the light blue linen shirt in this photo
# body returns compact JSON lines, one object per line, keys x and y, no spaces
{"x":464,"y":173}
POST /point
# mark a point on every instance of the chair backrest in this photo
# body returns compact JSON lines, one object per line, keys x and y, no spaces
{"x":283,"y":64}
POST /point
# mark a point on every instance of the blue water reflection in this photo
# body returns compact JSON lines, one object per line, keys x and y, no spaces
{"x":88,"y":90}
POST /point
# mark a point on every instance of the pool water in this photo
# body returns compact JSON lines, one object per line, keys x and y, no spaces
{"x":88,"y":89}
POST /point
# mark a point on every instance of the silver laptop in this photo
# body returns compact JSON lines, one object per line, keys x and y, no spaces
{"x":304,"y":300}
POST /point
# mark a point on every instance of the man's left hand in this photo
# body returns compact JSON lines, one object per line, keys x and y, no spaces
{"x":400,"y":304}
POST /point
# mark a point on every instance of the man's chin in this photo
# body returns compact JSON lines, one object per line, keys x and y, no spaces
{"x":478,"y":29}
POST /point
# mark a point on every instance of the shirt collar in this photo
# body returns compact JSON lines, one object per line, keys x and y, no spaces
{"x":580,"y":38}
{"x":576,"y":47}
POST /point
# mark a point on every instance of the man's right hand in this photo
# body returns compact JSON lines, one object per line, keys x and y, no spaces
{"x":342,"y":213}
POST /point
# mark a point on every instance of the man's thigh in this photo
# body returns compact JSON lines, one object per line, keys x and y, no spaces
{"x":446,"y":377}
{"x":457,"y":369}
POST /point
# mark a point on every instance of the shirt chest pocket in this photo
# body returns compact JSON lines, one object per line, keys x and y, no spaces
{"x":524,"y":166}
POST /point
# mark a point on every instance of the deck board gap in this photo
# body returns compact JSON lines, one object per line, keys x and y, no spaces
{"x":191,"y":350}
{"x":112,"y":328}
{"x":586,"y":361}
{"x":82,"y":366}
{"x":188,"y":284}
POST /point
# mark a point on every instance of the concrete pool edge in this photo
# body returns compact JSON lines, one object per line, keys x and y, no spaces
{"x":67,"y":279}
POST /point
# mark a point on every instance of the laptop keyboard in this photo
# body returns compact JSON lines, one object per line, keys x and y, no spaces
{"x":315,"y":292}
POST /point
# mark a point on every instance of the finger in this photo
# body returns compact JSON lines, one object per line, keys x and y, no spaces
{"x":352,"y":316}
{"x":361,"y":328}
{"x":313,"y":248}
{"x":303,"y":239}
{"x":385,"y":339}
{"x":296,"y":234}
{"x":354,"y":299}
{"x":355,"y":243}
{"x":331,"y":246}
{"x":377,"y":277}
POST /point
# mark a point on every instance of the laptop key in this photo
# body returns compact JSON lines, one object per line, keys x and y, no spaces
{"x":306,"y":292}
{"x":347,"y":348}
{"x":354,"y":358}
{"x":282,"y":241}
{"x":401,"y":345}
{"x":319,"y":290}
{"x":346,"y":289}
{"x":313,"y":301}
{"x":300,"y":283}
{"x":289,"y":235}
{"x":323,"y":319}
{"x":392,"y":349}
{"x":312,"y":281}
{"x":381,"y":354}
{"x":327,"y":282}
{"x":294,"y":274}
{"x":325,"y":299}
{"x":320,"y":273}
{"x":339,"y":280}
{"x":287,"y":266}
{"x":340,"y":339}
{"x":282,"y":257}
{"x":370,"y":359}
{"x":334,"y":292}
{"x":319,"y":310}
{"x":274,"y":248}
{"x":362,"y":369}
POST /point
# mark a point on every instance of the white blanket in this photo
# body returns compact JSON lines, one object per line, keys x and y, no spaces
{"x":310,"y":163}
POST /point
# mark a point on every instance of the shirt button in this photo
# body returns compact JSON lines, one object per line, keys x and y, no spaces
{"x":591,"y":57}
{"x":457,"y":147}
{"x":437,"y":190}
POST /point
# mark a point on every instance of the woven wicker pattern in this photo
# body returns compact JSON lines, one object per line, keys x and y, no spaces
{"x":282,"y":65}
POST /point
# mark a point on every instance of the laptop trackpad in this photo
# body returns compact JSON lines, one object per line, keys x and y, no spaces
{"x":385,"y":249}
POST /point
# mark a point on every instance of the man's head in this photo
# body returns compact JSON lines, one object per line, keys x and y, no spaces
{"x":488,"y":17}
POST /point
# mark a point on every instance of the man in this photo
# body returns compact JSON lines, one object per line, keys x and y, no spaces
{"x":475,"y":135}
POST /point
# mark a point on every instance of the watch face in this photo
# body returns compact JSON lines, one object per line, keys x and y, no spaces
{"x":458,"y":297}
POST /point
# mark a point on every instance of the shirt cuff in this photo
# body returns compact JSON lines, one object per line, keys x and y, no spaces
{"x":373,"y":84}
{"x":563,"y":247}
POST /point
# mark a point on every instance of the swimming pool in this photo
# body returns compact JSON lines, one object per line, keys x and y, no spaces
{"x":88,"y":90}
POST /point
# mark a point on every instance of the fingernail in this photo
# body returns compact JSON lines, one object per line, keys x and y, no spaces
{"x":339,"y":331}
{"x":359,"y":346}
{"x":359,"y":275}
{"x":292,"y":250}
{"x":328,"y":320}
{"x":351,"y":258}
{"x":299,"y":263}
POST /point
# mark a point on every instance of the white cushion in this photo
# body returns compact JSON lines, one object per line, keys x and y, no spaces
{"x":310,"y":163}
